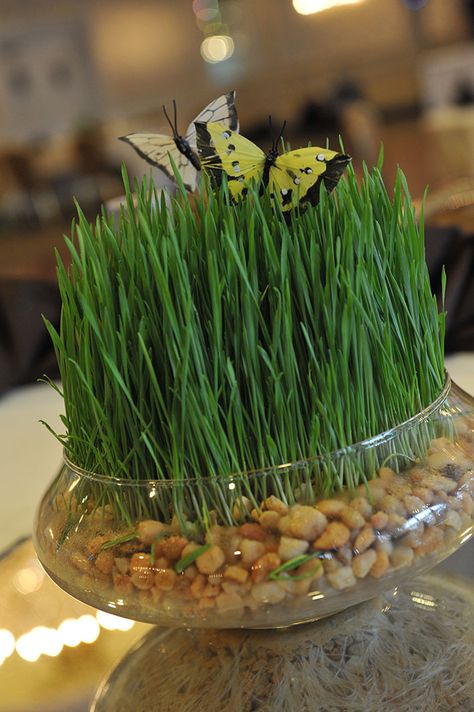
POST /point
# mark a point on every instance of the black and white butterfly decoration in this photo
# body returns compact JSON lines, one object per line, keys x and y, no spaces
{"x":157,"y":148}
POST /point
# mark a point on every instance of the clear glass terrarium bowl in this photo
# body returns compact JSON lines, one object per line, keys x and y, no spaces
{"x":270,"y":548}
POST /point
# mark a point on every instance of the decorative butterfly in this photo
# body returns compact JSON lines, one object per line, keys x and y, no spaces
{"x":293,"y":177}
{"x":157,"y":148}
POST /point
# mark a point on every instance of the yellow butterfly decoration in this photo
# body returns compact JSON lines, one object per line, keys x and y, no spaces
{"x":294,"y":177}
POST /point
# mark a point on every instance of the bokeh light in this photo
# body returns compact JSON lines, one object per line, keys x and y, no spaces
{"x":308,"y":7}
{"x":217,"y":48}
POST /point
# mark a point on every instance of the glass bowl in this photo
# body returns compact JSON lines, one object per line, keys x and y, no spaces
{"x":270,"y":548}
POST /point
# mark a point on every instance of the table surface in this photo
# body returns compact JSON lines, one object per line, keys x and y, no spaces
{"x":30,"y":456}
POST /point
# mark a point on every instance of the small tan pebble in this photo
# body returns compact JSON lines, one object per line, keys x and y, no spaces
{"x":344,"y":555}
{"x":362,"y":563}
{"x":331,"y":508}
{"x":156,"y":595}
{"x":263,"y":566}
{"x":384,"y":543}
{"x":290,"y":547}
{"x":374,"y":490}
{"x":229,"y":602}
{"x":362,"y":505}
{"x":95,"y":544}
{"x":144,"y":579}
{"x":211,"y":560}
{"x":188,"y":549}
{"x":269,"y":520}
{"x":284,"y":525}
{"x":352,"y":518}
{"x":438,"y":483}
{"x":190,"y":572}
{"x":267,"y":592}
{"x":122,"y":564}
{"x":251,"y":550}
{"x":413,"y":504}
{"x":274,"y":504}
{"x":331,"y":564}
{"x":379,"y":520}
{"x":467,"y":503}
{"x":149,"y":529}
{"x":123,"y":584}
{"x":252,"y":531}
{"x":205,"y":603}
{"x":313,"y":569}
{"x":453,"y":502}
{"x":242,"y":506}
{"x":211,"y":591}
{"x":236,"y":573}
{"x":342,"y":578}
{"x":287,"y":585}
{"x":386,"y":474}
{"x":432,"y":538}
{"x":402,"y":556}
{"x":396,"y":525}
{"x":255,"y":514}
{"x":233,"y":587}
{"x":140,"y":562}
{"x":165,"y":579}
{"x":381,"y":564}
{"x":216,"y":579}
{"x":81,"y":562}
{"x":452,"y":519}
{"x":392,"y":505}
{"x":306,"y":522}
{"x":364,"y":539}
{"x":414,"y":535}
{"x":161,"y":563}
{"x":467,"y":482}
{"x":425,"y":494}
{"x":171,"y":547}
{"x":198,"y":585}
{"x":334,"y":536}
{"x":399,"y":487}
{"x":105,"y":561}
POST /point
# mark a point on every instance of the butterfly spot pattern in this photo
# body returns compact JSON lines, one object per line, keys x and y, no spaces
{"x":294,"y":178}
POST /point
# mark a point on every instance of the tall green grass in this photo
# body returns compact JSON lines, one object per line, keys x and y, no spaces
{"x":209,"y":339}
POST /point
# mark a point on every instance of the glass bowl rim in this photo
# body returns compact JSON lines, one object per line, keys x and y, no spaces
{"x":360,"y":446}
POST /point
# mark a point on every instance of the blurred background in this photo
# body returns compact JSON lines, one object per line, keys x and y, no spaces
{"x":76,"y":74}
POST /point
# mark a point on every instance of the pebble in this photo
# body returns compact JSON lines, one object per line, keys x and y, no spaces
{"x":342,"y":578}
{"x":362,"y":563}
{"x":334,"y":537}
{"x":268,"y":592}
{"x":290,"y":547}
{"x":211,"y":560}
{"x":306,"y":522}
{"x":364,"y":539}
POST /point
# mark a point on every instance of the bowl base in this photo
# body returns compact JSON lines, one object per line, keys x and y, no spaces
{"x":407,"y":650}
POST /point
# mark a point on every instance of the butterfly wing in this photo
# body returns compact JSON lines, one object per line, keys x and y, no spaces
{"x":156,"y":149}
{"x":222,"y":150}
{"x":296,"y":176}
{"x":221,"y":111}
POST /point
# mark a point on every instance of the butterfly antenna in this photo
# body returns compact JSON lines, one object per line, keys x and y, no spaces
{"x":280,"y":136}
{"x":173,"y":128}
{"x":175,"y":117}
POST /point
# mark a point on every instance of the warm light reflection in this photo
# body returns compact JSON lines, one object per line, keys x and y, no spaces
{"x":42,"y":640}
{"x":217,"y":48}
{"x":111,"y":622}
{"x":7,"y":644}
{"x":423,"y":599}
{"x":308,"y":7}
{"x":28,"y":580}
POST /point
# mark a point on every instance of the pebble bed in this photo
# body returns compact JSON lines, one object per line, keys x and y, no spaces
{"x":342,"y":542}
